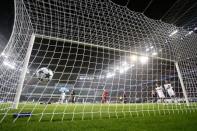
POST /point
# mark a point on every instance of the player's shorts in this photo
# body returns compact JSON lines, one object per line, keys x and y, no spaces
{"x":171,"y":92}
{"x":63,"y":97}
{"x":161,"y":94}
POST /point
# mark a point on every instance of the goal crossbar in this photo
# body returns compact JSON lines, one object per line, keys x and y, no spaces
{"x":30,"y":47}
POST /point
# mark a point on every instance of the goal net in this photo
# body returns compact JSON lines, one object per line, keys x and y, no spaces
{"x":106,"y":61}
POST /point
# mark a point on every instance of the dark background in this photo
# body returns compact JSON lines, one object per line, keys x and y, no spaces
{"x":6,"y":21}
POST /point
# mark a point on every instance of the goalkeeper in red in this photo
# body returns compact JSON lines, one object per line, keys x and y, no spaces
{"x":105,"y":96}
{"x":168,"y":87}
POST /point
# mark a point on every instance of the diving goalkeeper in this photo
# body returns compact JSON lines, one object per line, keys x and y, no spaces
{"x":105,"y":96}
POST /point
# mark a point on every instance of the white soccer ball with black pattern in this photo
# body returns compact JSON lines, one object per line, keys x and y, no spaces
{"x":44,"y":74}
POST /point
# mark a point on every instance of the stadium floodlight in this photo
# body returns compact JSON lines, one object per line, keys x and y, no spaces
{"x":109,"y":75}
{"x":147,"y":49}
{"x":123,"y":69}
{"x":4,"y":55}
{"x":117,"y":68}
{"x":189,"y":33}
{"x":124,"y":64}
{"x":152,"y":47}
{"x":8,"y":64}
{"x":132,"y":65}
{"x":143,"y":59}
{"x":173,"y":33}
{"x":154,"y":53}
{"x":134,"y":57}
{"x":195,"y":29}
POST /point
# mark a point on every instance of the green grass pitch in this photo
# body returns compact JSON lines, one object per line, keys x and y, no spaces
{"x":100,"y":117}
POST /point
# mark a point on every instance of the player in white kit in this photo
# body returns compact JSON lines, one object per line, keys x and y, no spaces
{"x":63,"y":95}
{"x":168,"y":87}
{"x":159,"y":90}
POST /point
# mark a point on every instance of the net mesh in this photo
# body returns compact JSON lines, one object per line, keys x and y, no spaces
{"x":106,"y":62}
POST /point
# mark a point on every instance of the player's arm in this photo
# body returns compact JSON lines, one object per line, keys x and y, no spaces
{"x":102,"y":95}
{"x":171,"y":86}
{"x":161,"y":87}
{"x":168,"y":86}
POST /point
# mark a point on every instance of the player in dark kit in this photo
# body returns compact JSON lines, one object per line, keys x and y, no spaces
{"x":124,"y":97}
{"x":105,"y":96}
{"x":72,"y":96}
{"x":154,"y":96}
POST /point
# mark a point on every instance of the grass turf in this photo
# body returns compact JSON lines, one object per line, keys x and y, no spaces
{"x":97,"y":117}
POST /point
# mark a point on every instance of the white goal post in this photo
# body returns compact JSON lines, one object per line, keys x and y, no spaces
{"x":182,"y":83}
{"x":23,"y":73}
{"x":29,"y":50}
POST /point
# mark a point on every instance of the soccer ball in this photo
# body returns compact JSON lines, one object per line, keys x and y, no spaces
{"x":44,"y":74}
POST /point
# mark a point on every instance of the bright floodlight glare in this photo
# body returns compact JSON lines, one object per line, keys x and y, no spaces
{"x":124,"y":68}
{"x":109,"y":75}
{"x":154,"y":53}
{"x":124,"y":64}
{"x":143,"y":59}
{"x":117,"y":68}
{"x":151,"y":47}
{"x":121,"y":70}
{"x":147,"y":49}
{"x":195,"y":28}
{"x":3,"y":54}
{"x":189,"y":33}
{"x":173,"y":33}
{"x":134,"y":58}
{"x":12,"y":66}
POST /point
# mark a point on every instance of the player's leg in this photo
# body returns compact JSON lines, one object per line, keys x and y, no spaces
{"x":172,"y":95}
{"x":106,"y":99}
{"x":176,"y":100}
{"x":162,"y":100}
{"x":103,"y":99}
{"x":154,"y":98}
{"x":162,"y":97}
{"x":125,"y":100}
{"x":73,"y":99}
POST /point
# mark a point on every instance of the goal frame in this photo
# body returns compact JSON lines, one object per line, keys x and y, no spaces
{"x":30,"y":47}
